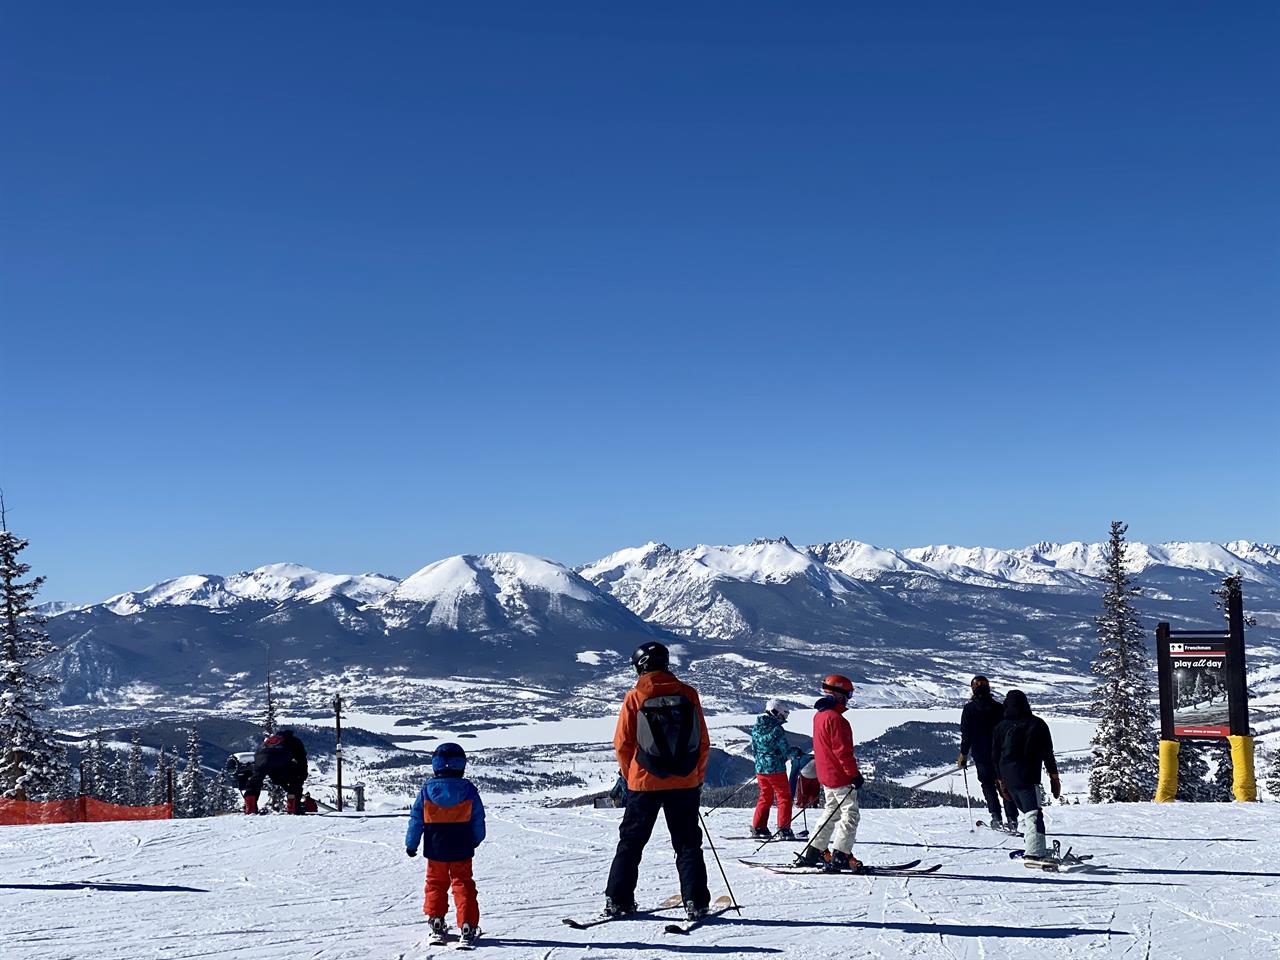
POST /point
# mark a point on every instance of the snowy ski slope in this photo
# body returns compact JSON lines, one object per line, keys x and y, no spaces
{"x":1176,"y":881}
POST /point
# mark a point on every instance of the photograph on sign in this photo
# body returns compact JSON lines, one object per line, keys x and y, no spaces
{"x":1200,"y":690}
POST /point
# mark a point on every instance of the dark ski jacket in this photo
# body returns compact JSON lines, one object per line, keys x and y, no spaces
{"x":769,"y":744}
{"x":447,"y":818}
{"x":1021,"y":744}
{"x":282,"y":751}
{"x":977,"y":722}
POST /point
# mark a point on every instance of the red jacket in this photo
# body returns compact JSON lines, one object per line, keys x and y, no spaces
{"x":833,"y":745}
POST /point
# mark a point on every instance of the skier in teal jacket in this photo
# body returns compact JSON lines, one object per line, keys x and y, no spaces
{"x":772,"y":751}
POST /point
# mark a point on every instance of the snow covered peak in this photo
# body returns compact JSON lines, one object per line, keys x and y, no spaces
{"x":273,"y":583}
{"x":606,"y":568}
{"x":864,"y":561}
{"x":1252,"y":561}
{"x":503,"y":575}
{"x":760,"y":561}
{"x":985,"y":564}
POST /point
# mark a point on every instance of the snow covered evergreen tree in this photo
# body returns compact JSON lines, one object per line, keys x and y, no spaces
{"x":160,"y":779}
{"x":1273,"y":773}
{"x":222,"y":795}
{"x":1220,"y":786}
{"x":31,"y":763}
{"x":1124,"y":746}
{"x":117,"y":767}
{"x":191,"y":789}
{"x":135,"y":776}
{"x":1193,"y":773}
{"x":269,"y":715}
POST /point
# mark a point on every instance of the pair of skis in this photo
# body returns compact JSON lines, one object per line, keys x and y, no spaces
{"x":719,"y":907}
{"x":910,"y":868}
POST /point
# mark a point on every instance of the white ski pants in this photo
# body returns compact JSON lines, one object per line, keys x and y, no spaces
{"x":840,"y":820}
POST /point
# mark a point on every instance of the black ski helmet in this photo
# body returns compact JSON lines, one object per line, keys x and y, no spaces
{"x":448,"y":758}
{"x":651,"y":656}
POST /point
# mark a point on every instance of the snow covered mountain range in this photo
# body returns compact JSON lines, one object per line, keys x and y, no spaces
{"x":743,"y":615}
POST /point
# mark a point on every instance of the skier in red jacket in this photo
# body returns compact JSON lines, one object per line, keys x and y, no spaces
{"x":838,"y":773}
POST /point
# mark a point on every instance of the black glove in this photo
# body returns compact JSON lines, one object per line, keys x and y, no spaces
{"x":858,"y":781}
{"x":411,"y":851}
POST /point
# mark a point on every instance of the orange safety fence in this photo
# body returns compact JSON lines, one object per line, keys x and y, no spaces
{"x":79,"y":810}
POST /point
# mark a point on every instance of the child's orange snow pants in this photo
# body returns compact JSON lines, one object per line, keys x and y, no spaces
{"x":443,"y":874}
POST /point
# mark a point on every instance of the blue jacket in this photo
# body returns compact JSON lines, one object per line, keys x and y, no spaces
{"x":449,"y":814}
{"x":770,"y":746}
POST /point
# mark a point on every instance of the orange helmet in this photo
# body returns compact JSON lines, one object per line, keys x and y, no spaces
{"x":838,"y":685}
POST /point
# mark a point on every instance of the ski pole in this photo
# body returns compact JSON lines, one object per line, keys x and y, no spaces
{"x":742,"y":786}
{"x":711,"y":843}
{"x":809,"y":843}
{"x":968,"y":803}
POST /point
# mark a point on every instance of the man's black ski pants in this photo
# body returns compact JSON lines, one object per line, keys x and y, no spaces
{"x":987,"y":777}
{"x":681,"y":809}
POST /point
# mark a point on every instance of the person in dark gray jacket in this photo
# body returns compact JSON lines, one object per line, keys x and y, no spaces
{"x":977,"y":722}
{"x":1020,"y":746}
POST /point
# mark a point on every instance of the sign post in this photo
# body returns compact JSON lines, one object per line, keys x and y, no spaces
{"x":337,"y":727}
{"x":1203,"y":696}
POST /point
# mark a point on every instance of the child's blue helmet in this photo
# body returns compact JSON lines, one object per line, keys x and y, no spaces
{"x":448,"y":758}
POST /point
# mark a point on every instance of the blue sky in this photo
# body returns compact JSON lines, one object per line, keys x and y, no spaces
{"x":364,"y":285}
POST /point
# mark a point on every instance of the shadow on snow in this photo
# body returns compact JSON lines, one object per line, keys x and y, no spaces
{"x":104,"y":887}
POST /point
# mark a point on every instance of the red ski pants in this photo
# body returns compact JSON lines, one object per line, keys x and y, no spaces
{"x":443,"y":874}
{"x":773,"y":789}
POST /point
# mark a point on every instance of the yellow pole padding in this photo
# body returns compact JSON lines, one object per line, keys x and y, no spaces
{"x":1243,"y":784}
{"x":1167,"y":786}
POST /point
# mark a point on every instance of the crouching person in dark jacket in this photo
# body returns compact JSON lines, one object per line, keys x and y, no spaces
{"x":283,"y":758}
{"x":1020,"y":746}
{"x":448,"y":819}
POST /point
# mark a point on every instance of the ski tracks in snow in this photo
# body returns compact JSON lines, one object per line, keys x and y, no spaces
{"x":339,"y":888}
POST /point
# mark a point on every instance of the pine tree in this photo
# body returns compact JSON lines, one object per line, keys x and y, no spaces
{"x":1124,"y":748}
{"x":1273,"y":773}
{"x":97,"y":772}
{"x":269,"y":715}
{"x":1193,"y":773}
{"x":117,"y":772}
{"x":160,"y":779}
{"x":135,"y":776}
{"x":222,"y":795}
{"x":31,"y":764}
{"x":1220,"y":786}
{"x":191,"y":800}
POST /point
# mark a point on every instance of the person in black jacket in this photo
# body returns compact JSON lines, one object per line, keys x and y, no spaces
{"x":283,"y":758}
{"x":977,"y":722}
{"x":1020,"y":746}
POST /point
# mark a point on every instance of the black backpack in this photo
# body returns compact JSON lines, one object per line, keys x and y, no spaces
{"x":668,"y":736}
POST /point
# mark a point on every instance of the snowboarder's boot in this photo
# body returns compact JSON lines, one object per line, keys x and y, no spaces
{"x":613,"y":908}
{"x":250,"y":804}
{"x":760,"y":833}
{"x":811,"y":857}
{"x":785,"y":834}
{"x":694,"y":912}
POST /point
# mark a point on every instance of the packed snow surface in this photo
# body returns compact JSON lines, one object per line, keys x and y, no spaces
{"x":1175,"y":881}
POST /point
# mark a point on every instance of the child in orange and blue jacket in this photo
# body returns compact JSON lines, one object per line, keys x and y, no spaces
{"x":448,"y":820}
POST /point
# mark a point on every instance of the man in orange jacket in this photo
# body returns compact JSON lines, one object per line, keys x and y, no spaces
{"x":662,"y":746}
